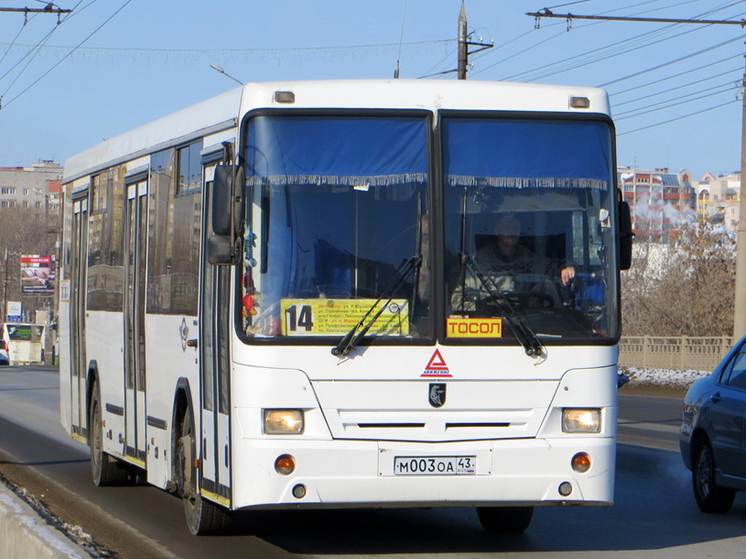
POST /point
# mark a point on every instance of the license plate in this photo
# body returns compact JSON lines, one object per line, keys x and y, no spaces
{"x":435,"y":465}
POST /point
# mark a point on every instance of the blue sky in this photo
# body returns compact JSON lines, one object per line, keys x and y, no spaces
{"x":115,"y":64}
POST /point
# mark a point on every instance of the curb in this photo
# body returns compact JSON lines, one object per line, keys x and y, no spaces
{"x":24,"y":533}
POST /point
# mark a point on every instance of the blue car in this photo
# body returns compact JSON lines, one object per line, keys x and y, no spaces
{"x":712,"y":439}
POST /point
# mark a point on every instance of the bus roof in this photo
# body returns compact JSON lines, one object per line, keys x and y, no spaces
{"x":223,"y":111}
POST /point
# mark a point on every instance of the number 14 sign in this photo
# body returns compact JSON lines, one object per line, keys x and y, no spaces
{"x":336,"y":317}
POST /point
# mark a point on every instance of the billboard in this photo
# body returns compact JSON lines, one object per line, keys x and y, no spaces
{"x":37,"y":274}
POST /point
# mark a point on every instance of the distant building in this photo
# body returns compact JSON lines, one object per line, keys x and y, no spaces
{"x":660,"y":201}
{"x":34,"y":191}
{"x":35,"y":187}
{"x":718,"y":198}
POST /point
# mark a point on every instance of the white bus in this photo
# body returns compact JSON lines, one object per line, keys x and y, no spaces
{"x":293,"y":296}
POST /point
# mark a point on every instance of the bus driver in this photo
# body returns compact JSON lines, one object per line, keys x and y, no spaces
{"x":510,"y":267}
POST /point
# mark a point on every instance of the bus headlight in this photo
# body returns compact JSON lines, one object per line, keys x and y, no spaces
{"x":283,"y":422}
{"x":581,"y":420}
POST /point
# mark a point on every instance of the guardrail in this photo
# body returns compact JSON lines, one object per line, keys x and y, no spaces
{"x":677,"y":353}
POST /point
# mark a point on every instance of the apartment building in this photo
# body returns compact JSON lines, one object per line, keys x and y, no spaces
{"x":35,"y":187}
{"x":660,"y":201}
{"x":718,"y":198}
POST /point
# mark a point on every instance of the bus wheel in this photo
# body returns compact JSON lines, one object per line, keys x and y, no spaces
{"x":202,"y":516}
{"x":106,"y":469}
{"x":505,"y":520}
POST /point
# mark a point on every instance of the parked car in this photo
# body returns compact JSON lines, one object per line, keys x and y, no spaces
{"x":4,"y":357}
{"x":712,"y":436}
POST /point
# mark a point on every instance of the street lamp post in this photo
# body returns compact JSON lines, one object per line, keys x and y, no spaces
{"x":220,"y":69}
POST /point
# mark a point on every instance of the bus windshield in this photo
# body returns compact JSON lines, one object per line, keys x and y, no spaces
{"x":336,"y":226}
{"x":529,"y":249}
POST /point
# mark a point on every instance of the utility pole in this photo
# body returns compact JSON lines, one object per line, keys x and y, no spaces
{"x":463,"y":48}
{"x":464,"y":44}
{"x":739,"y":315}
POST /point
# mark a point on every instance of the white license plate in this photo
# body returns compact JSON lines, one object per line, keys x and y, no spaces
{"x":435,"y":465}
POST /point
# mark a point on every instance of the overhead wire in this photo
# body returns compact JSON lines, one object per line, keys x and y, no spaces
{"x":244,"y":51}
{"x":682,"y":99}
{"x":580,"y":27}
{"x":598,"y":55}
{"x":682,"y":117}
{"x":675,"y":61}
{"x":10,"y":46}
{"x":127,"y":2}
{"x":430,"y":73}
{"x":673,"y":76}
{"x":524,"y":51}
{"x":595,"y":55}
{"x":552,"y":69}
{"x":668,"y":103}
{"x":37,"y":48}
{"x":678,"y":87}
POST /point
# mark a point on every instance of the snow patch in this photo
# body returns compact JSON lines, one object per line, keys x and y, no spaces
{"x":662,"y":377}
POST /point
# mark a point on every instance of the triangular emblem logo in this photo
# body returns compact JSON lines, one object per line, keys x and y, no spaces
{"x":436,"y":367}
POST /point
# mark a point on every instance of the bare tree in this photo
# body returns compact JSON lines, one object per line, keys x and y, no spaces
{"x":24,"y":231}
{"x":684,"y":287}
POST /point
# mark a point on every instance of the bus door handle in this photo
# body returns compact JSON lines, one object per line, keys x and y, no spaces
{"x":192,"y":343}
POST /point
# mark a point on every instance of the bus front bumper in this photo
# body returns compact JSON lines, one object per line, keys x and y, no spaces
{"x":334,"y":474}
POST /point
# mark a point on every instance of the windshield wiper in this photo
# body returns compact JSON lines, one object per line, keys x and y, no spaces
{"x":525,"y":335}
{"x":358,"y":332}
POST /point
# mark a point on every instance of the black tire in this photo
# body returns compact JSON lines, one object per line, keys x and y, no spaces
{"x":710,"y":498}
{"x":505,"y":520}
{"x":203,"y":517}
{"x":106,"y":469}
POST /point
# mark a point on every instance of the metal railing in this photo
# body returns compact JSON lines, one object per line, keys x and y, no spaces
{"x":677,"y":353}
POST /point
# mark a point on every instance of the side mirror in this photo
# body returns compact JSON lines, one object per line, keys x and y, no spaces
{"x":226,"y":215}
{"x":625,"y":236}
{"x":227,"y":199}
{"x":220,"y":251}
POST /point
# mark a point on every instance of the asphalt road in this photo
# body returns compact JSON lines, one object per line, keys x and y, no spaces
{"x":654,"y":515}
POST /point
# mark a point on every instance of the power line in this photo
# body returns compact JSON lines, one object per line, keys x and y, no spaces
{"x":598,"y":54}
{"x":14,"y":41}
{"x":45,"y":74}
{"x":675,"y":119}
{"x":32,"y":53}
{"x":680,"y":59}
{"x":678,"y":87}
{"x":241,"y":51}
{"x":35,"y":50}
{"x":690,"y":71}
{"x":519,"y":53}
{"x":574,"y":63}
{"x":647,"y":110}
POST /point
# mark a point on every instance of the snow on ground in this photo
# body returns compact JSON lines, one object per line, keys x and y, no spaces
{"x":662,"y":377}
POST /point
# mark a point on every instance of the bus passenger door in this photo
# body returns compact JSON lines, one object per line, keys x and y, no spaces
{"x":78,"y":290}
{"x":134,"y":323}
{"x":215,"y":366}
